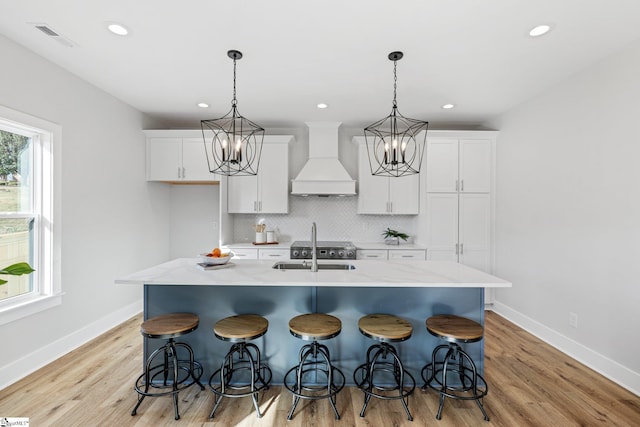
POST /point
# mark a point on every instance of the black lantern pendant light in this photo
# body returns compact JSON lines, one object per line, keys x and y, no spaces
{"x":233,"y":143}
{"x":393,"y":143}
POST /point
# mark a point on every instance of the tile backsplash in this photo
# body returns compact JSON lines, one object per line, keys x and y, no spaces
{"x":336,"y":219}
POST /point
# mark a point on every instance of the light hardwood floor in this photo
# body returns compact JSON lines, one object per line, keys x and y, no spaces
{"x":531,"y":384}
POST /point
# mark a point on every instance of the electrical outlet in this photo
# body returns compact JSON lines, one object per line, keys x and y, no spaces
{"x":573,"y":320}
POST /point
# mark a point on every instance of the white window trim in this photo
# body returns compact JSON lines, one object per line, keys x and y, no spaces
{"x":48,"y":255}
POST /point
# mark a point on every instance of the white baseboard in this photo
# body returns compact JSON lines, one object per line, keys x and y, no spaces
{"x":611,"y":369}
{"x":31,"y":362}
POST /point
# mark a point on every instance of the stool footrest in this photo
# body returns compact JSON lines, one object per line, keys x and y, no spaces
{"x":454,"y":376}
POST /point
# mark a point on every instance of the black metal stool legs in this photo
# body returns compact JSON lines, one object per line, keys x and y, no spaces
{"x":469,"y":385}
{"x":364,"y":377}
{"x":314,"y":359}
{"x":148,"y":384}
{"x":259,"y":375}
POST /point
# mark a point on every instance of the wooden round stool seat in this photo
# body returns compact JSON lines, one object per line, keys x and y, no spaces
{"x":315,"y":326}
{"x":243,"y":327}
{"x":454,"y":328}
{"x":169,"y":325}
{"x":385,"y":327}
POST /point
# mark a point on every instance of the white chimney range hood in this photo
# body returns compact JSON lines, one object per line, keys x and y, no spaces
{"x":323,"y":174}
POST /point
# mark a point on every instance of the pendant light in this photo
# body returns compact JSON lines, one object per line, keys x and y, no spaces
{"x":395,"y":144}
{"x":233,"y":143}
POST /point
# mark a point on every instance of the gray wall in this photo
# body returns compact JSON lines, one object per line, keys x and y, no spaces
{"x":568,"y":211}
{"x":111,"y":221}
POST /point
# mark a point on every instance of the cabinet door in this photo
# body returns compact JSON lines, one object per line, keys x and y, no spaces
{"x":442,"y":226}
{"x":371,"y":254}
{"x":404,"y":195}
{"x":164,"y":159}
{"x":475,"y":166}
{"x":442,"y":165}
{"x":242,"y":194}
{"x":273,"y":179}
{"x":373,"y":191}
{"x":274,"y":254}
{"x":475,"y":231}
{"x":194,"y":161}
{"x":407,"y":254}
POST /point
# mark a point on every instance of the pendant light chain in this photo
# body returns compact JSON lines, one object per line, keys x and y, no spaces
{"x":234,"y":101}
{"x":395,"y":82}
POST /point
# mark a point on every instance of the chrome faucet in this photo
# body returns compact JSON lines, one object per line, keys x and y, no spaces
{"x":314,"y":248}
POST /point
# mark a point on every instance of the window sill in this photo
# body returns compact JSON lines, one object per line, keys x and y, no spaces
{"x":29,"y":307}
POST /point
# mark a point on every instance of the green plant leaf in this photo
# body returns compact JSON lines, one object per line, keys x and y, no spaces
{"x":17,"y":269}
{"x":2,"y":282}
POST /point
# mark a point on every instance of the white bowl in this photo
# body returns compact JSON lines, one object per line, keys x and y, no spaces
{"x":215,"y":261}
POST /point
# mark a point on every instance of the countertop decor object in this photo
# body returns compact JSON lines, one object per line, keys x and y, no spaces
{"x":395,"y":144}
{"x":392,"y":237}
{"x":219,"y":260}
{"x":233,"y":143}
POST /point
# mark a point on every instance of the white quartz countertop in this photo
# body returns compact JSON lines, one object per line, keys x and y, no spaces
{"x":368,"y":273}
{"x":359,"y":245}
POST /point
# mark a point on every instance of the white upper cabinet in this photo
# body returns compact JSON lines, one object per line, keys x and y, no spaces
{"x":459,"y":165}
{"x":172,"y":157}
{"x":382,"y":194}
{"x":268,"y":191}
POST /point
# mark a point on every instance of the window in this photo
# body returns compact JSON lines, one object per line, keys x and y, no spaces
{"x":26,"y":213}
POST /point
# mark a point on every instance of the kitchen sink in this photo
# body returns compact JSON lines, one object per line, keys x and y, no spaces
{"x":307,"y":266}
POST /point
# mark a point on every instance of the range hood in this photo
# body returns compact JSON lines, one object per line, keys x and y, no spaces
{"x":323,"y":174}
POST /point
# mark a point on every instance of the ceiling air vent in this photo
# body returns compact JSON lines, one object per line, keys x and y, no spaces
{"x":50,"y":32}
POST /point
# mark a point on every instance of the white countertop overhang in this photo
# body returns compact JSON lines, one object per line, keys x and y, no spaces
{"x":367,"y":273}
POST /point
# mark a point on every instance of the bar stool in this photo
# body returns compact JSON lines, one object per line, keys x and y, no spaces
{"x":242,"y":357}
{"x":370,"y":377}
{"x":302,"y":380}
{"x":171,"y":374}
{"x":456,"y":366}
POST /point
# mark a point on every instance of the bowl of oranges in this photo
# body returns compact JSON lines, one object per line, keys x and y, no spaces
{"x":215,"y":257}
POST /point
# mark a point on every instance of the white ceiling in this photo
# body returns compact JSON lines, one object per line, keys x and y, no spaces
{"x":475,"y":54}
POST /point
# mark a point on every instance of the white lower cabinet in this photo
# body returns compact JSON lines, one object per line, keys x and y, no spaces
{"x":371,"y":254}
{"x":392,"y":254}
{"x":244,"y":253}
{"x":407,"y":254}
{"x":274,"y":254}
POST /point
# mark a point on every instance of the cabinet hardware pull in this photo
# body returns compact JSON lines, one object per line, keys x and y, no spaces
{"x":255,"y":206}
{"x":462,"y":185}
{"x":407,"y":256}
{"x":457,"y":247}
{"x":461,"y":248}
{"x":260,"y":205}
{"x":179,"y":172}
{"x":184,"y":172}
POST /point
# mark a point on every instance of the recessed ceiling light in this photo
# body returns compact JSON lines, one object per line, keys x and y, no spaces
{"x":322,"y":105}
{"x":448,"y":106}
{"x":117,"y":29}
{"x":203,"y":105}
{"x":540,"y":30}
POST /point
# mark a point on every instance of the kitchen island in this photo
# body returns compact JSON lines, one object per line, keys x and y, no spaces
{"x":414,"y":290}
